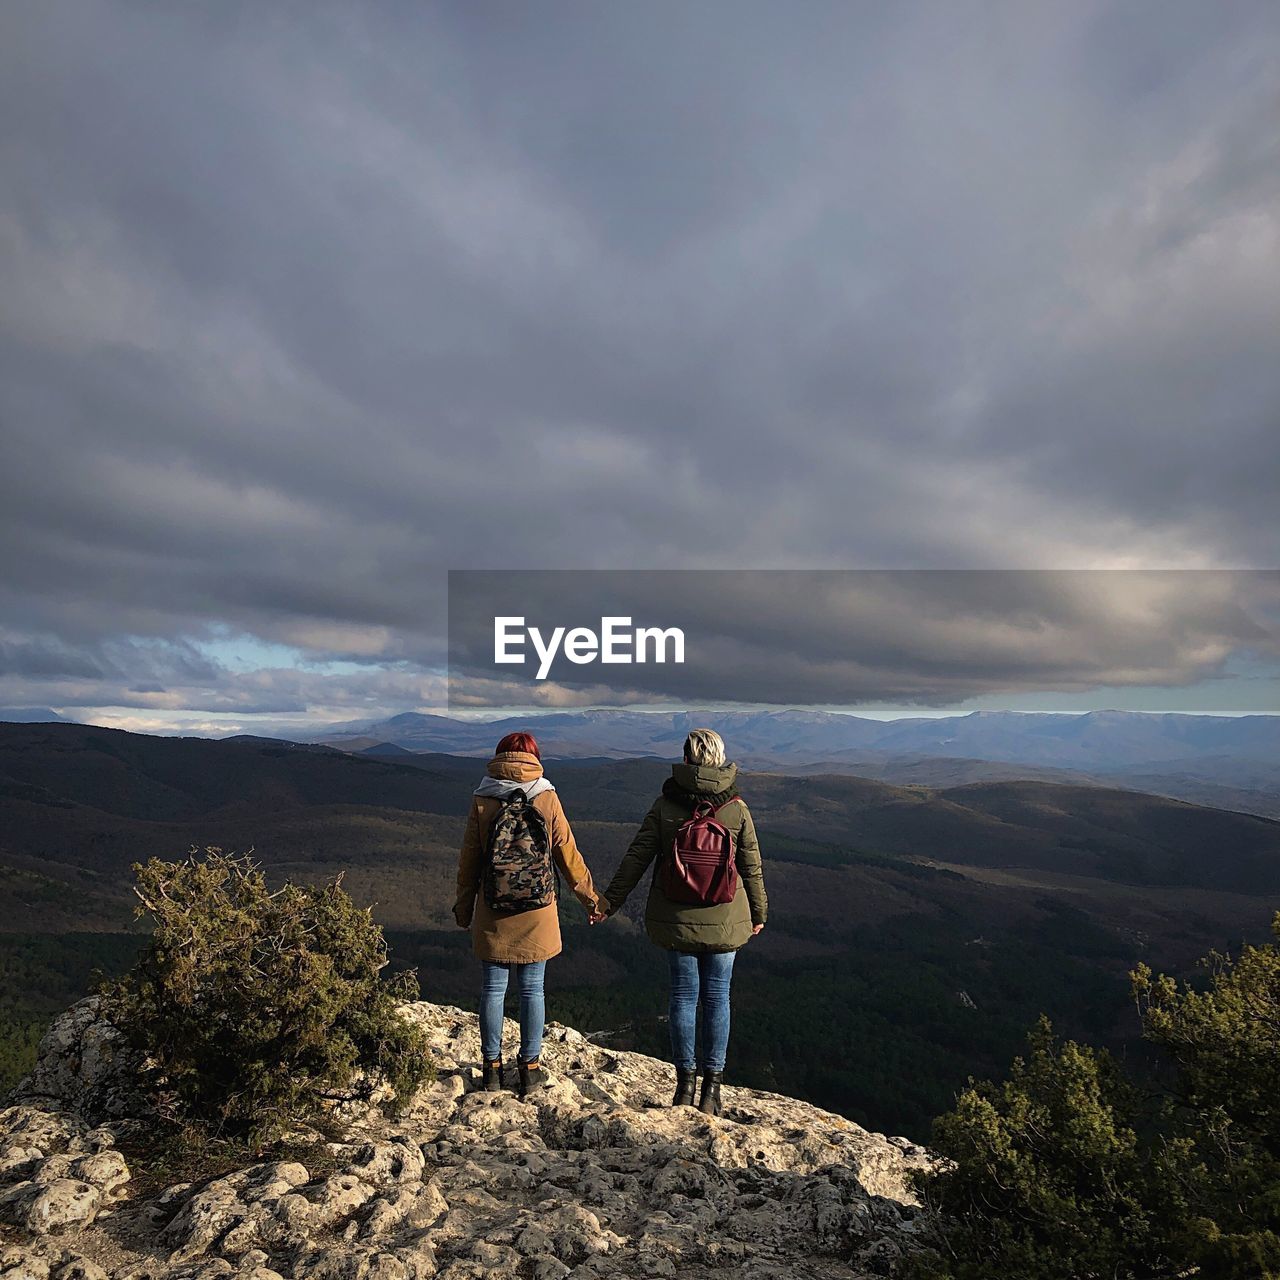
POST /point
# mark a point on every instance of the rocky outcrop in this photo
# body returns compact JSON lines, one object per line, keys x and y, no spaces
{"x":85,"y":1067}
{"x":593,"y":1175}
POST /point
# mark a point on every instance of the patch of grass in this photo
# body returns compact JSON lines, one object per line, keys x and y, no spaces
{"x":160,"y":1157}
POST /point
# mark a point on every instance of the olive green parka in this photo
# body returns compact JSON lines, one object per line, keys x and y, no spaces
{"x":677,"y":926}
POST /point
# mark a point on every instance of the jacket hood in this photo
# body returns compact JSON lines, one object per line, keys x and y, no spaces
{"x":518,"y":770}
{"x":501,"y":788}
{"x":699,"y":780}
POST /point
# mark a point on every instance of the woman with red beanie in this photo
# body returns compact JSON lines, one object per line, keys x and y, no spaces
{"x":517,"y":839}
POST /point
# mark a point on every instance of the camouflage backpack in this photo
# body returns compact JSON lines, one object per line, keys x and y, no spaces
{"x":519,"y":874}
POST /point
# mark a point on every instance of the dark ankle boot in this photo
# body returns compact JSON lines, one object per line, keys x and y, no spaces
{"x":686,"y":1083}
{"x":709,"y":1102}
{"x":491,"y":1076}
{"x":532,"y":1076}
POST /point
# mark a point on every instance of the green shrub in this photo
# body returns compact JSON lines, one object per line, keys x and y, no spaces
{"x":258,"y":1005}
{"x":1070,"y":1171}
{"x":1050,"y":1179}
{"x":1223,"y":1045}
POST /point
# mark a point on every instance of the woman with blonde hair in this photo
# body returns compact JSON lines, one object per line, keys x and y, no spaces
{"x":706,"y":901}
{"x":517,"y":839}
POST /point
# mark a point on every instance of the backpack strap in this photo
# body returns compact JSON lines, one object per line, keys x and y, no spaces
{"x":703,"y":808}
{"x":503,"y":803}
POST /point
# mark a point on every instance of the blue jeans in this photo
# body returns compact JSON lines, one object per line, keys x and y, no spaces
{"x":707,"y":974}
{"x":493,"y":995}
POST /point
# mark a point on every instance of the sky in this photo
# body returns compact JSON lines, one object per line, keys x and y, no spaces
{"x":304,"y":305}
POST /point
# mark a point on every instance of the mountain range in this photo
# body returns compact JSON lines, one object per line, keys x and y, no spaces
{"x":1229,"y":762}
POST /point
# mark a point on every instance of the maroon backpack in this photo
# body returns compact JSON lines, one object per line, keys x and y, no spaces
{"x":701,"y":870}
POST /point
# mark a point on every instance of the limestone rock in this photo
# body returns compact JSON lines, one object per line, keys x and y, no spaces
{"x":55,"y":1174}
{"x":106,"y":1170}
{"x":62,"y":1204}
{"x":593,"y":1176}
{"x":84,"y":1067}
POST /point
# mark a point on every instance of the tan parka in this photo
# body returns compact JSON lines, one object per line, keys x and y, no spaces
{"x":525,"y":936}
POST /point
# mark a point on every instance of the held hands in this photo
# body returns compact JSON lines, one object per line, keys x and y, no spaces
{"x":597,"y":917}
{"x":755,"y":928}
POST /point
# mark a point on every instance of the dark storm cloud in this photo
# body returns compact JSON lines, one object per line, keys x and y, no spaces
{"x":50,"y":655}
{"x":304,"y":306}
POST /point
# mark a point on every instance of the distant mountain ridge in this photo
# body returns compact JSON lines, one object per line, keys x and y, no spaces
{"x":1091,"y":740}
{"x":32,"y":715}
{"x":1224,"y":761}
{"x":98,"y":798}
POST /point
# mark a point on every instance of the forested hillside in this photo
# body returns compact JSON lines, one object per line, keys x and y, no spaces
{"x":914,"y":932}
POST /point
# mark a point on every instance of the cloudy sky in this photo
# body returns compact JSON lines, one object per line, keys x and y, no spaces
{"x":303,"y":305}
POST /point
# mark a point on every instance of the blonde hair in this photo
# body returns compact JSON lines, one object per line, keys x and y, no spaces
{"x":704,"y":746}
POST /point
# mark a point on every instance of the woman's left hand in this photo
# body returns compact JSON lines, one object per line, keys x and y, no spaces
{"x":755,"y":928}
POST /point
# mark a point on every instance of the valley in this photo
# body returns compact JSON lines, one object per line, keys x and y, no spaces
{"x":915,"y":932}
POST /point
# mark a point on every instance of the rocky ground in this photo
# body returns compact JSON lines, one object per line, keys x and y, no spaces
{"x":595,"y":1175}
